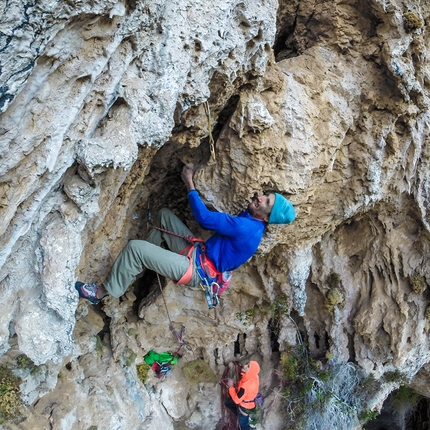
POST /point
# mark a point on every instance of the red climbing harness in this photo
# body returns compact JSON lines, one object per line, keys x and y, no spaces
{"x":187,"y":251}
{"x":213,"y":281}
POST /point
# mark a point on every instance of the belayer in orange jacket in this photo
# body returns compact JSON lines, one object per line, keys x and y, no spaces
{"x":242,"y":400}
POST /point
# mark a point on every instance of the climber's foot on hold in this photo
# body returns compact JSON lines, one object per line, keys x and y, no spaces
{"x":88,"y":291}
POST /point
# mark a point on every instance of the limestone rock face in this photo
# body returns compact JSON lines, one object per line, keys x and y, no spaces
{"x":101,"y":105}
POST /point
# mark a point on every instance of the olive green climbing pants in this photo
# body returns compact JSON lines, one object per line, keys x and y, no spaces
{"x":139,"y":255}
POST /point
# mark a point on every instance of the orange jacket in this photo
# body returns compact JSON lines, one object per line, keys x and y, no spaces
{"x":247,"y":388}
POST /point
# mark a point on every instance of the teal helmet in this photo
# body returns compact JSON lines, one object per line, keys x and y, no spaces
{"x":283,"y":211}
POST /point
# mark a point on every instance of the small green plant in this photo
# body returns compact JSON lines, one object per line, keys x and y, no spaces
{"x":10,"y":395}
{"x":418,"y":284}
{"x":366,"y":416}
{"x":412,"y":311}
{"x":336,"y":295}
{"x":130,"y":358}
{"x":26,"y":363}
{"x":394,"y":376}
{"x":142,"y":371}
{"x":413,"y":21}
{"x":319,"y":395}
{"x":333,"y":280}
{"x":369,"y":383}
{"x":290,"y":360}
{"x":405,"y":395}
{"x":329,"y":355}
{"x":255,"y":416}
{"x":305,"y":381}
{"x":93,"y":428}
{"x":427,"y":313}
{"x":279,"y":306}
{"x":197,"y":371}
{"x":99,"y":346}
{"x":246,"y":317}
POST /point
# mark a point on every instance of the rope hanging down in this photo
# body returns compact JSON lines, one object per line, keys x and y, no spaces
{"x":188,"y":237}
{"x":211,"y":139}
{"x":179,"y":337}
{"x":229,"y":421}
{"x":211,"y":296}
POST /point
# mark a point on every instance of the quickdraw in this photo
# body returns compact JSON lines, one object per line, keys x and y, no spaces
{"x":211,"y":293}
{"x":208,"y":282}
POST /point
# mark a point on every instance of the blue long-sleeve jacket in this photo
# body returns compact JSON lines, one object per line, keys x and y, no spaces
{"x":236,"y":238}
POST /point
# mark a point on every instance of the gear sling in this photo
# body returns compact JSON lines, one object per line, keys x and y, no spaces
{"x":213,"y":282}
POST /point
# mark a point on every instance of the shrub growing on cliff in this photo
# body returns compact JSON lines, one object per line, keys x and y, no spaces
{"x":26,"y":363}
{"x":197,"y":371}
{"x":418,"y":284}
{"x":412,"y":21}
{"x":10,"y":395}
{"x":333,"y":280}
{"x":318,"y":397}
{"x":246,"y":317}
{"x":129,"y":357}
{"x":405,"y":395}
{"x":142,"y":370}
{"x":368,"y":416}
{"x":427,"y":313}
{"x":394,"y":376}
{"x":279,"y":306}
{"x":336,"y":295}
{"x":99,"y":346}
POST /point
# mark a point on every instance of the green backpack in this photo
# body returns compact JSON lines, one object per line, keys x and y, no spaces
{"x":160,"y":362}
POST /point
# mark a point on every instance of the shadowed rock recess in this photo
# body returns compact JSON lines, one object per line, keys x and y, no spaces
{"x":327,"y":102}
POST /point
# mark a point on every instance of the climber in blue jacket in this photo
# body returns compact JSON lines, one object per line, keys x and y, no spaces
{"x":234,"y":242}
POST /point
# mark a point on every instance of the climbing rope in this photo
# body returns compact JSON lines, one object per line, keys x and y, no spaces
{"x":188,"y":237}
{"x":229,"y":421}
{"x":179,"y":337}
{"x":164,"y":300}
{"x":211,"y":139}
{"x":206,"y":288}
{"x":212,"y":299}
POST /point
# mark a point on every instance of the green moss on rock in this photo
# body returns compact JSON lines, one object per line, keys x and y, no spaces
{"x":335,"y":297}
{"x":198,"y":371}
{"x":10,"y":395}
{"x":333,"y":280}
{"x":26,"y":363}
{"x":142,"y":371}
{"x":413,"y":21}
{"x":418,"y":284}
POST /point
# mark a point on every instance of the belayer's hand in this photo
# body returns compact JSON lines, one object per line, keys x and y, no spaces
{"x":187,"y":176}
